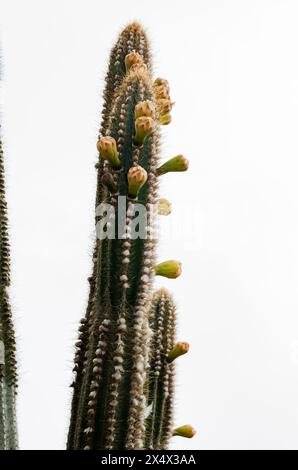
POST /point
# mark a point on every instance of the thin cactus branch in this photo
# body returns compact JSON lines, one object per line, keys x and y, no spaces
{"x":161,"y":376}
{"x":8,"y":373}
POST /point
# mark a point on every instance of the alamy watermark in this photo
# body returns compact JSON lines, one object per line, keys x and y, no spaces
{"x":134,"y":220}
{"x":127,"y":220}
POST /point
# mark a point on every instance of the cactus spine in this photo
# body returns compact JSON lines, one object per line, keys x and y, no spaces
{"x":112,"y":357}
{"x":8,"y":374}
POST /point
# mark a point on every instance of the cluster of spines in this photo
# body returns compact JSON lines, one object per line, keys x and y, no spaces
{"x":8,"y":369}
{"x":109,"y":400}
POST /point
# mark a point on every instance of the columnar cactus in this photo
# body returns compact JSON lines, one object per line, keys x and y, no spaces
{"x":161,"y":374}
{"x":160,"y":399}
{"x":8,"y":374}
{"x":112,"y":357}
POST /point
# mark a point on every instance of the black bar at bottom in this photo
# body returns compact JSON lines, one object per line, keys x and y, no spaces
{"x":136,"y":459}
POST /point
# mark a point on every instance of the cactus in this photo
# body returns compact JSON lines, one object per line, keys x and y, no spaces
{"x":112,"y":356}
{"x":161,"y":373}
{"x":160,"y":395}
{"x":8,"y":374}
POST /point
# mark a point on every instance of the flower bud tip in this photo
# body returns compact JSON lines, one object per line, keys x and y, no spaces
{"x":171,"y":269}
{"x":107,"y":148}
{"x":178,"y":350}
{"x":185,"y":431}
{"x":144,"y":126}
{"x":164,"y":207}
{"x":136,"y":178}
{"x":178,"y":163}
{"x":131,"y":59}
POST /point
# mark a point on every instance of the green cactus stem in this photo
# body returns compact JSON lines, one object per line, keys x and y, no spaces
{"x":108,"y":409}
{"x":160,"y":394}
{"x":131,"y":39}
{"x":8,"y":372}
{"x":109,"y":401}
{"x":159,"y":424}
{"x":111,"y":404}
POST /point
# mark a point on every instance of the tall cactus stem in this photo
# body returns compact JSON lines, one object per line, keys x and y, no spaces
{"x":121,"y":360}
{"x":8,"y":372}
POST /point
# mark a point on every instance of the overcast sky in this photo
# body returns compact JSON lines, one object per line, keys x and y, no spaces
{"x":233,"y":71}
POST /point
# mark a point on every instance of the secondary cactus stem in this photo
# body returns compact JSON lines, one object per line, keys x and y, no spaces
{"x":159,"y":424}
{"x":8,"y":372}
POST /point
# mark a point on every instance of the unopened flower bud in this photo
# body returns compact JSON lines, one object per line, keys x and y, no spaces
{"x":131,"y":59}
{"x":165,"y":119}
{"x":164,"y":106}
{"x":178,"y":163}
{"x":145,"y":108}
{"x":107,"y":148}
{"x":170,"y":269}
{"x":164,"y":207}
{"x":185,"y":431}
{"x":161,"y":92}
{"x":161,"y":82}
{"x":178,"y":350}
{"x":144,"y":126}
{"x":136,"y":178}
{"x":108,"y":181}
{"x":139,"y":67}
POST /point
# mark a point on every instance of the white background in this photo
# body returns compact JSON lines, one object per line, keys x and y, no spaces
{"x":233,"y":71}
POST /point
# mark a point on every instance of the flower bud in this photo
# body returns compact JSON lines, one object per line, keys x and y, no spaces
{"x":139,"y":67}
{"x":108,"y":181}
{"x":164,"y":106}
{"x":178,"y":350}
{"x":165,"y":119}
{"x":136,"y":178}
{"x":107,"y":148}
{"x":170,"y":269}
{"x":185,"y":431}
{"x":145,"y":108}
{"x":178,"y":163}
{"x":164,"y":207}
{"x":131,"y":59}
{"x":161,"y":82}
{"x":144,"y":126}
{"x":161,"y":92}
